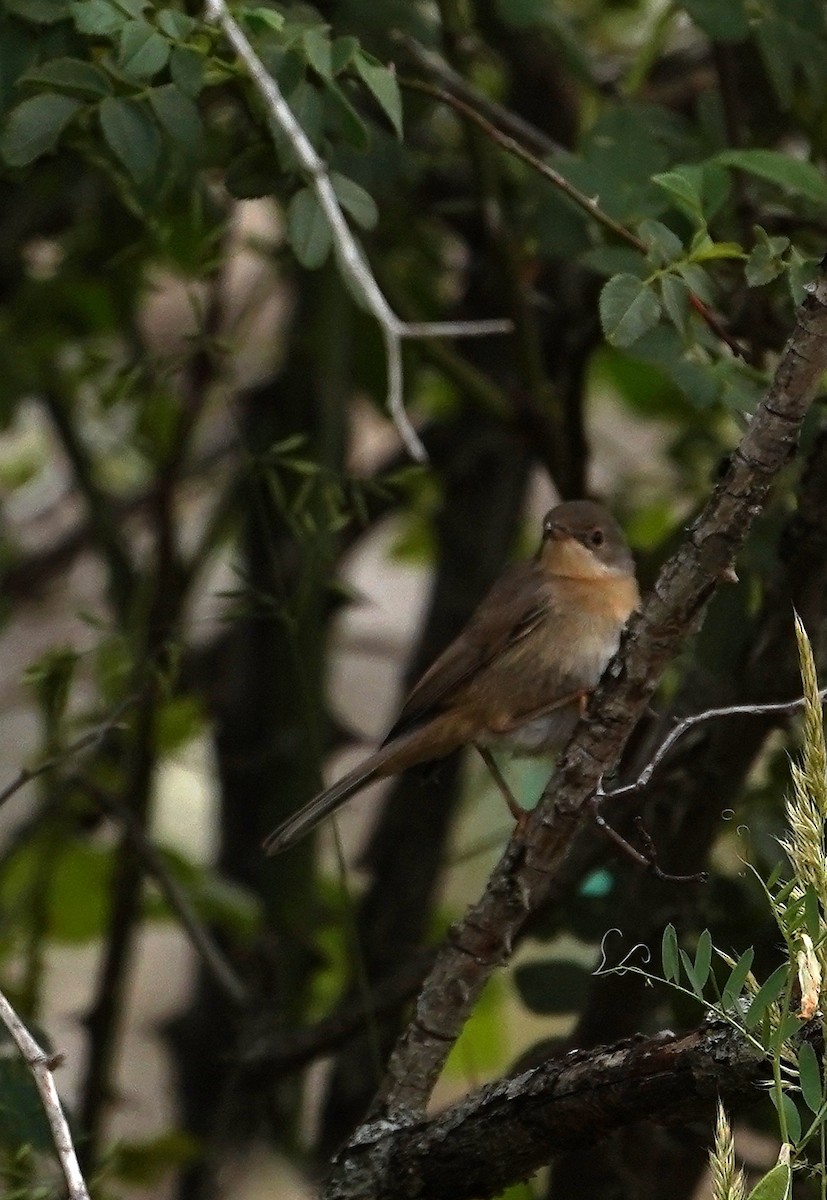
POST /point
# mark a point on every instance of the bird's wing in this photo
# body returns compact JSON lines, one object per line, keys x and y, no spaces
{"x":514,"y":607}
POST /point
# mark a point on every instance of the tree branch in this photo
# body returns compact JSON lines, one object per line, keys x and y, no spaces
{"x":510,"y":1129}
{"x":685,"y":724}
{"x":41,"y":1065}
{"x":352,"y":261}
{"x":525,"y":874}
{"x":589,"y":204}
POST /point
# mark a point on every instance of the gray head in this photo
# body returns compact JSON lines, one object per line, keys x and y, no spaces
{"x":582,"y":537}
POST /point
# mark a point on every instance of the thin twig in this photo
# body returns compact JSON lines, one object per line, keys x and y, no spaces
{"x":200,"y":937}
{"x":683,"y":726}
{"x":93,"y":737}
{"x":589,"y":204}
{"x":507,"y":142}
{"x":647,"y":858}
{"x":352,"y":261}
{"x":498,"y":114}
{"x":40,"y":1065}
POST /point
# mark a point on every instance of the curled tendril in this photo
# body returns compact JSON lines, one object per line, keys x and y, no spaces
{"x":624,"y":965}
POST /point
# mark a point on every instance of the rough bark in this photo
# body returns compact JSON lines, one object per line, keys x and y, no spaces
{"x":508,"y":1130}
{"x":523,"y":878}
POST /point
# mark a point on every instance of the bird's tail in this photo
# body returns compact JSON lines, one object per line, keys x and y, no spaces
{"x":296,"y":827}
{"x":433,"y":740}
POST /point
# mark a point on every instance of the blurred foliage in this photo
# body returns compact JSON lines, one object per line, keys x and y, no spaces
{"x":190,"y":386}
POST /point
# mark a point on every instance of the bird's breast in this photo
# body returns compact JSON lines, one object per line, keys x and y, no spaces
{"x":533,"y":693}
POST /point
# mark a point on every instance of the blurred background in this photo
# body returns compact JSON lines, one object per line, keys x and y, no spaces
{"x":219,"y":568}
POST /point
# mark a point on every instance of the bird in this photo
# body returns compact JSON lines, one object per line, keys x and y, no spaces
{"x":518,"y":675}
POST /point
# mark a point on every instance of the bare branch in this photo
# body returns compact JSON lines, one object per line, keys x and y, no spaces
{"x":588,"y":204}
{"x":504,"y":118}
{"x":352,"y":261}
{"x":685,"y":724}
{"x":93,"y":737}
{"x":40,"y":1065}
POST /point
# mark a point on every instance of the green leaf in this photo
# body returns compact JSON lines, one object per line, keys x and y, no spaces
{"x":793,"y":53}
{"x":96,"y":17}
{"x":71,"y":75}
{"x":318,"y":52}
{"x":306,"y":102}
{"x":355,"y":200}
{"x":809,"y":1076}
{"x":615,"y":260}
{"x":552,"y":988}
{"x":480,"y":1046}
{"x":791,"y":1115}
{"x":689,"y":968}
{"x":130,"y":131}
{"x":684,"y":187}
{"x":765,"y":262}
{"x":178,"y":721}
{"x":344,"y":118}
{"x":176,"y":25}
{"x":812,"y":913}
{"x":664,"y":245}
{"x":50,"y":678}
{"x":703,"y":958}
{"x":674,"y":296}
{"x":144,"y":1164}
{"x":669,"y":954}
{"x":792,"y":174}
{"x":307,"y":229}
{"x":263,"y":19}
{"x":177,"y":115}
{"x":738,"y":977}
{"x":766,"y":995}
{"x":187,"y":70}
{"x":35,"y":126}
{"x":723,"y":22}
{"x":776,"y":1184}
{"x":80,"y":894}
{"x":381,"y":83}
{"x":789,"y":1027}
{"x":39,"y":12}
{"x":700,"y":190}
{"x":705,"y":250}
{"x":342,"y":53}
{"x":802,"y":272}
{"x":22,"y":1119}
{"x":628,"y":309}
{"x":697,"y":280}
{"x":143,"y":51}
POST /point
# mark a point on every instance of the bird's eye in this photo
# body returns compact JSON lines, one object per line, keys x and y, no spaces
{"x":596,"y":537}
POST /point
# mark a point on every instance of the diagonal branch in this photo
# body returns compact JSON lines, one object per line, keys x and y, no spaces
{"x":41,"y":1066}
{"x":524,"y":876}
{"x":352,"y":262}
{"x":589,"y":204}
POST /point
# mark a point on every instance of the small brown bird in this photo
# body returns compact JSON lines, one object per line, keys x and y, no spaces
{"x":518,"y":675}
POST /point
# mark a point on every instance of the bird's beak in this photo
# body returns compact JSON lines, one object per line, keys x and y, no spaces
{"x":552,"y":532}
